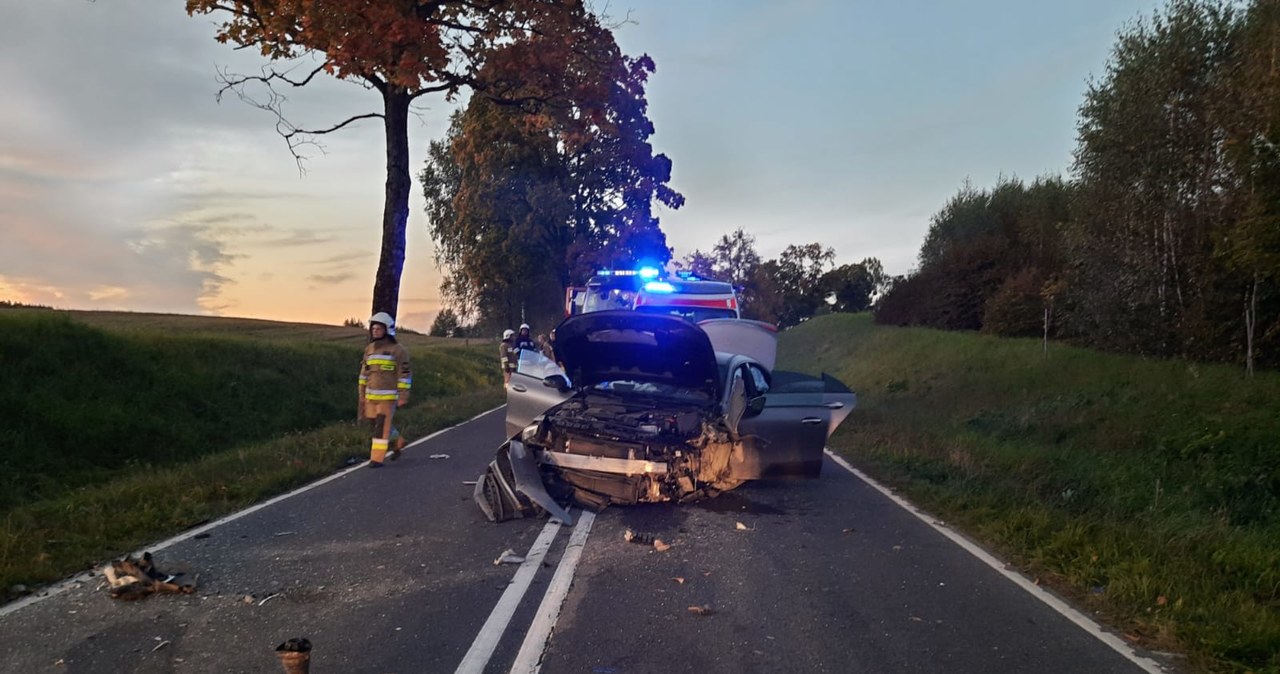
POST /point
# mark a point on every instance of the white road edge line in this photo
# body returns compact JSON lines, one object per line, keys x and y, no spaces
{"x":529,"y":659}
{"x":486,"y":641}
{"x":1067,"y":611}
{"x":82,"y":578}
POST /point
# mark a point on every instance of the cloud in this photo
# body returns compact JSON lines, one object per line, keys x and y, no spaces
{"x":331,"y":279}
{"x":298,"y":237}
{"x":343,"y":258}
{"x":109,"y":293}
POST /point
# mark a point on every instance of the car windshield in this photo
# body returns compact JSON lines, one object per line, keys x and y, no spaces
{"x":691,"y":314}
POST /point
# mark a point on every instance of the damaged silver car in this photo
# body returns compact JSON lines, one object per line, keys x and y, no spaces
{"x":650,"y":408}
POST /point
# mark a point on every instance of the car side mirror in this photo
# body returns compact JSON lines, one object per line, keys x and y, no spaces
{"x":755,"y":406}
{"x":558,"y":382}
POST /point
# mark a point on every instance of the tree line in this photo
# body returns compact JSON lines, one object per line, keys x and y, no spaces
{"x":1165,"y":239}
{"x":802,"y":282}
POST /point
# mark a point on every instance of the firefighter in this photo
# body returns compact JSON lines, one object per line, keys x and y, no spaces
{"x":524,"y":340}
{"x":544,"y":347}
{"x":385,"y":380}
{"x":509,"y":354}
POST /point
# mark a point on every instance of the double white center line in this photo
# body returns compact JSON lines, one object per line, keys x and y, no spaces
{"x":528,"y":661}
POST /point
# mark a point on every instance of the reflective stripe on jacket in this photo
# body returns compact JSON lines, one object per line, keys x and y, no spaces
{"x":509,"y":354}
{"x":384,"y":370}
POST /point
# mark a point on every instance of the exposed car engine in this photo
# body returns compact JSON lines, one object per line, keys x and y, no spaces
{"x":599,"y":450}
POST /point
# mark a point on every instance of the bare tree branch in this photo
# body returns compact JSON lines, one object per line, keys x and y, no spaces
{"x":295,"y":137}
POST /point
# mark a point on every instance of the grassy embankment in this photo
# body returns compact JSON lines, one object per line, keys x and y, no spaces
{"x":119,"y":429}
{"x":1146,"y":490}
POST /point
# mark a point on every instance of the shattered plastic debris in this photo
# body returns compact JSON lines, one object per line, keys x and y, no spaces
{"x":438,"y":456}
{"x":702,"y":610}
{"x":637,"y":538}
{"x":131,"y":578}
{"x":742,"y":527}
{"x":508,"y":556}
{"x":678,"y":580}
{"x":660,"y":546}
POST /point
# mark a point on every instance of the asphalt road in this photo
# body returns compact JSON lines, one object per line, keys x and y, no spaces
{"x":393,"y":571}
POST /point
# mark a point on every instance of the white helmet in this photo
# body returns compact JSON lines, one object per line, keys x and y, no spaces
{"x":525,"y":326}
{"x":385,"y":319}
{"x":508,"y":333}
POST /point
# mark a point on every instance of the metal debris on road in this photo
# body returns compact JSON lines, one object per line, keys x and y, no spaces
{"x":438,"y":456}
{"x":508,"y":556}
{"x":637,"y":538}
{"x":703,"y":610}
{"x":269,"y":598}
{"x":160,"y":645}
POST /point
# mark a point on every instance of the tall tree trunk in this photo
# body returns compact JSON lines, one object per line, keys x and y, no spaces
{"x":395,"y":210}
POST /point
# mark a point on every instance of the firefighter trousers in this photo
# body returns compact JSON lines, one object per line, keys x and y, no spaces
{"x":379,"y":413}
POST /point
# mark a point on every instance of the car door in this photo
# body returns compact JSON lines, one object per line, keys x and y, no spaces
{"x":786,"y":436}
{"x":531,"y":391}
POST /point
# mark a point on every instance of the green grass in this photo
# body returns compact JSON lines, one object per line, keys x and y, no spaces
{"x":1146,"y":490}
{"x":138,"y":426}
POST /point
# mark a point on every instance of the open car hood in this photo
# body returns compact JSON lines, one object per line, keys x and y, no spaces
{"x":606,"y":346}
{"x":756,"y":339}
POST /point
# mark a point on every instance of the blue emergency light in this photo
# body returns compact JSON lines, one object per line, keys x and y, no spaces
{"x":648,"y":272}
{"x":659,"y":287}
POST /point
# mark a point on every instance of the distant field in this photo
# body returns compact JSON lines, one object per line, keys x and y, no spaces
{"x":215,"y":326}
{"x":1147,"y":490}
{"x":118,"y":428}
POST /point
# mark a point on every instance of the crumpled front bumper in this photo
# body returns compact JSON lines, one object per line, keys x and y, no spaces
{"x":512,"y":487}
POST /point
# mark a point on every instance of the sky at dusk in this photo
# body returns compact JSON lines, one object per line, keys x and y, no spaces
{"x":124,"y":183}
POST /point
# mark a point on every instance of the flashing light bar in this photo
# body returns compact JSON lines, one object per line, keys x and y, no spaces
{"x":687,"y":302}
{"x":659,"y":287}
{"x":648,"y":272}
